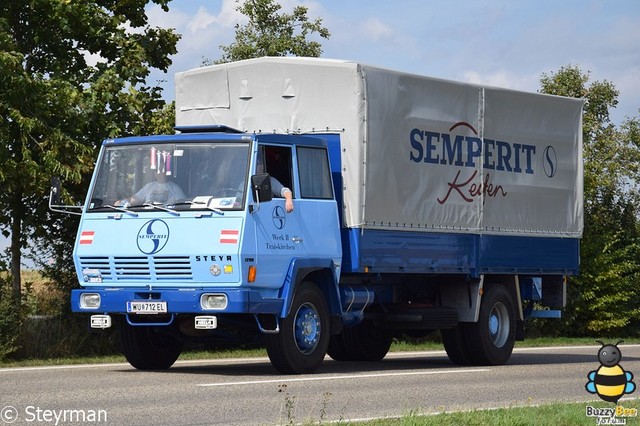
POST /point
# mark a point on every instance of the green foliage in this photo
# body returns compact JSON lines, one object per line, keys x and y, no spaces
{"x":63,"y":336}
{"x":10,"y":321}
{"x":56,"y":108}
{"x":269,"y":33}
{"x":41,"y":326}
{"x":603,"y":298}
{"x":607,"y":288}
{"x":71,"y":74}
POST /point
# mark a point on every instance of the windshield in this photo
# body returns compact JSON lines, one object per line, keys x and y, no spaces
{"x":200,"y":175}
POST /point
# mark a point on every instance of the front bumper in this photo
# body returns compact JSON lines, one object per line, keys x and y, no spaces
{"x":114,"y":300}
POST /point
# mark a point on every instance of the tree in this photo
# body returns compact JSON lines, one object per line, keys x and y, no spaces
{"x":269,"y":33}
{"x":55,"y":108}
{"x":603,"y":298}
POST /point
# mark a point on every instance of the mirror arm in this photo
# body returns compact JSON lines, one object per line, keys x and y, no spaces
{"x":54,"y":200}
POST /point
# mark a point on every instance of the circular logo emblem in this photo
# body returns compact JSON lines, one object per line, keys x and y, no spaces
{"x":550,"y":161}
{"x":279,"y":219}
{"x":215,"y":270}
{"x":153,"y":236}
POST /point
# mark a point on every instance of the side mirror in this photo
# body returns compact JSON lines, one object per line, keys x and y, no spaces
{"x":54,"y":195}
{"x":261,"y":184}
{"x":54,"y":199}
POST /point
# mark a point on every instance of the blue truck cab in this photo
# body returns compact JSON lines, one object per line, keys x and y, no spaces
{"x":419,"y":205}
{"x":223,"y":250}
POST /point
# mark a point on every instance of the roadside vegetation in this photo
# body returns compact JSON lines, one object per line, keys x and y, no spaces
{"x":563,"y":414}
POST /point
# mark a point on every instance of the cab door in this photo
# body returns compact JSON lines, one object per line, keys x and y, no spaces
{"x":280,"y":237}
{"x":316,"y":205}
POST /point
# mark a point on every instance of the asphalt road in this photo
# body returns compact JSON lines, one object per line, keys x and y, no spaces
{"x":249,"y":392}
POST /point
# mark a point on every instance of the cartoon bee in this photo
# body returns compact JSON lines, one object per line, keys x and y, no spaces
{"x":610,"y":381}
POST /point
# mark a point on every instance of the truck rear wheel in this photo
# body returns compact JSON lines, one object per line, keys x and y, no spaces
{"x":490,"y":341}
{"x":302,"y":342}
{"x":363,"y":342}
{"x":147,"y":348}
{"x":337,"y":349}
{"x":455,"y":345}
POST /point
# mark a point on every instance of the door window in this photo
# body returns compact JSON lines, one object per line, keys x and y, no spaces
{"x":315,"y":176}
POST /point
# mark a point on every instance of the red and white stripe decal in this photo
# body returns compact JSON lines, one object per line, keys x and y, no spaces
{"x":86,"y":237}
{"x":229,"y":236}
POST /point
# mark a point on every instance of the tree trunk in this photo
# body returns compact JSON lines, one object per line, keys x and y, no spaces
{"x":17,"y":213}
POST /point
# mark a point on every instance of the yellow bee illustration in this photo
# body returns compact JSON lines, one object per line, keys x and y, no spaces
{"x":610,"y":381}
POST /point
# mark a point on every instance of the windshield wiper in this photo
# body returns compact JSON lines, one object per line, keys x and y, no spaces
{"x":162,"y":207}
{"x":117,"y":208}
{"x":204,"y":204}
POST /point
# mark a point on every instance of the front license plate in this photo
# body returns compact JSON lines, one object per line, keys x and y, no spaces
{"x":147,"y":307}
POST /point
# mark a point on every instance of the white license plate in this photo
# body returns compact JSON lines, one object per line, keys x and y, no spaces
{"x":148,"y":307}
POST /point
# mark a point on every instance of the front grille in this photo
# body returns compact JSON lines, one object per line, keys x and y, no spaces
{"x":171,"y":268}
{"x":132,"y":268}
{"x":99,"y":263}
{"x":140,"y":268}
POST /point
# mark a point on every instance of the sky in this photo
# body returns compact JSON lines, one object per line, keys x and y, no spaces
{"x":504,"y":43}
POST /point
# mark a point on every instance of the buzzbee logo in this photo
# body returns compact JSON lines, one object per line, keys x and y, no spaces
{"x":610,"y":381}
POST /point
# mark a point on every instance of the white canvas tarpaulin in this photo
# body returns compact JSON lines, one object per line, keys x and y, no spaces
{"x":418,"y":153}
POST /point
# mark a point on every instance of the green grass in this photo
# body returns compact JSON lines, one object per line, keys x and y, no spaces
{"x":577,"y":341}
{"x":105,"y":359}
{"x":557,"y":414}
{"x":110,"y":359}
{"x":431,"y":345}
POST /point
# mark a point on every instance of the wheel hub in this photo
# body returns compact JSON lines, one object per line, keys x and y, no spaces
{"x":494,"y":323}
{"x":308,"y":329}
{"x":499,"y":325}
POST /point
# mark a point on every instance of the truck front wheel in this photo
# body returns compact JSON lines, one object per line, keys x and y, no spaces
{"x":302,"y":342}
{"x":148,"y":348}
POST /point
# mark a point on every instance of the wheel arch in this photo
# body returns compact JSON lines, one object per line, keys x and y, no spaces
{"x":512,"y":284}
{"x":321,"y":273}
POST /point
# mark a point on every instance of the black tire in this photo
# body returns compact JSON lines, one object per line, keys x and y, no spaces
{"x":490,"y":341}
{"x":302,"y":342}
{"x":148,"y":348}
{"x":363,"y":342}
{"x":368,"y":342}
{"x":455,"y":345}
{"x":337,"y":349}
